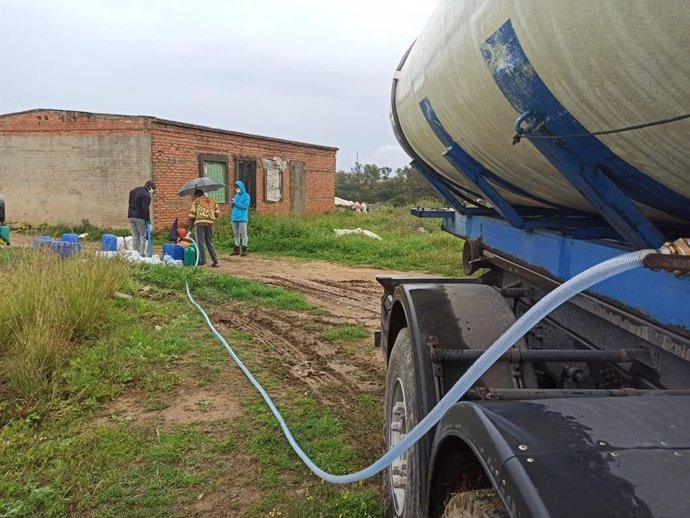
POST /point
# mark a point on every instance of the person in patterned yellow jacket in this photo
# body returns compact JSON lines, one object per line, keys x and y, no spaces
{"x":203,"y":214}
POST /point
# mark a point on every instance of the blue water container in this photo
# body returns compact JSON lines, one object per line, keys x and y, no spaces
{"x":41,"y":242}
{"x":109,"y":243}
{"x":174,"y":251}
{"x":167,"y":250}
{"x":66,"y":248}
{"x":178,"y":253}
{"x":71,"y":238}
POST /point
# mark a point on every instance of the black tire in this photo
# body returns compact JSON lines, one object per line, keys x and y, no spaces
{"x":483,"y":503}
{"x":401,"y":375}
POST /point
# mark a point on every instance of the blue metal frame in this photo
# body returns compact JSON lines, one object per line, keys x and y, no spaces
{"x":437,"y":182}
{"x":520,"y":217}
{"x":609,"y":183}
{"x":659,"y":296}
{"x":469,"y":167}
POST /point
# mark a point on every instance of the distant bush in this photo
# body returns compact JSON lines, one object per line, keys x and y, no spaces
{"x":373,"y":184}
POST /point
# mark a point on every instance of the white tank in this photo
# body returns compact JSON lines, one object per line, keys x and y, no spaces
{"x":609,"y":63}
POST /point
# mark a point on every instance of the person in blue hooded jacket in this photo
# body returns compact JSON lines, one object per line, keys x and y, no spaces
{"x":239,"y":218}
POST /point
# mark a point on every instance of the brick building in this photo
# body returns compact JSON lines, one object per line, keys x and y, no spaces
{"x":61,"y":167}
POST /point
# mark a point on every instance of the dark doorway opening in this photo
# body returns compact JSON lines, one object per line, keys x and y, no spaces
{"x":246,"y":171}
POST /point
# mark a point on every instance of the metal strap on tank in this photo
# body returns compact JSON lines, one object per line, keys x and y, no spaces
{"x":607,"y":181}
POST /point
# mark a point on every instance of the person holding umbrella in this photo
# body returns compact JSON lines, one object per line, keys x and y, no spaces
{"x":203,"y":214}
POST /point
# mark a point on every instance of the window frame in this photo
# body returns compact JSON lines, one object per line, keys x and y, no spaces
{"x":203,"y":158}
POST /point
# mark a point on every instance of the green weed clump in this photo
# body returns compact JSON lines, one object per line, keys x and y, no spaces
{"x":346,"y":333}
{"x":48,"y":304}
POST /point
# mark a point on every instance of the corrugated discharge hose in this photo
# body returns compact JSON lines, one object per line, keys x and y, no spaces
{"x":577,"y":284}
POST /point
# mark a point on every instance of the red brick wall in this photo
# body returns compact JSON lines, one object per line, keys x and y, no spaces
{"x":53,"y":121}
{"x":176,"y":151}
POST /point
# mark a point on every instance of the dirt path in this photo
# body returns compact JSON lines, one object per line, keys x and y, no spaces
{"x":349,"y":293}
{"x":337,"y":374}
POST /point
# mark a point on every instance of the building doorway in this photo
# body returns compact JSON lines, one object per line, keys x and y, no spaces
{"x":246,"y":171}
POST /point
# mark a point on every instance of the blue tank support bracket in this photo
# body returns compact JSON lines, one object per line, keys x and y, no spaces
{"x":469,"y":167}
{"x":616,"y":208}
{"x":610,"y":184}
{"x":441,"y":186}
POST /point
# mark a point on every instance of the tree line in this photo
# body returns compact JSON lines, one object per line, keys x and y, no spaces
{"x":373,"y":184}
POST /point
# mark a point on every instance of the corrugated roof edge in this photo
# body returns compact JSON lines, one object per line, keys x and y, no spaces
{"x":176,"y":123}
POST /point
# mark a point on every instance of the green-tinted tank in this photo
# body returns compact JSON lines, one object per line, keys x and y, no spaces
{"x":189,"y":256}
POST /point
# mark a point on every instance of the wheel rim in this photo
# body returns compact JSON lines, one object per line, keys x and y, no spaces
{"x":396,"y":433}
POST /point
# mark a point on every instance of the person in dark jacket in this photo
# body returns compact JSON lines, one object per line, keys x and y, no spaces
{"x":139,"y":214}
{"x":239,"y":218}
{"x":4,"y":231}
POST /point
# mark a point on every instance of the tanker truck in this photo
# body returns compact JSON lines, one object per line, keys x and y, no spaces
{"x":558,"y":134}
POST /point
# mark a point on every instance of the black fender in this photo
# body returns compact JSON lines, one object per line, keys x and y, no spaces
{"x":607,"y":457}
{"x":459,"y":314}
{"x":453,"y":313}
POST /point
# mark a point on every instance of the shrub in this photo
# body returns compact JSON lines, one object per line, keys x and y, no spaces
{"x":47,"y":304}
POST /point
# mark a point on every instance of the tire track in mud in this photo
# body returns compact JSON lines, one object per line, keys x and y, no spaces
{"x":349,"y":378}
{"x":358,"y":299}
{"x":290,"y":344}
{"x":295,"y":340}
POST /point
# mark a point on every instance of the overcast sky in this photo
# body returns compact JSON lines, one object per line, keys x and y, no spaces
{"x":312,"y":70}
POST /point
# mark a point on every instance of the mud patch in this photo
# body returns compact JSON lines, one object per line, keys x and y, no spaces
{"x":197,"y":406}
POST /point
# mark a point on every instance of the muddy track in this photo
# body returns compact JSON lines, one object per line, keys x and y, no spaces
{"x":349,"y":293}
{"x":333,"y":292}
{"x":294,"y":340}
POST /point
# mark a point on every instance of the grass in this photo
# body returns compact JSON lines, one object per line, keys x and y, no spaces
{"x":321,"y":434}
{"x":408,"y":243}
{"x":324,"y":435}
{"x":57,"y":459}
{"x":56,"y":462}
{"x":118,"y":470}
{"x":221,"y":288}
{"x":49,"y":305}
{"x":346,"y":333}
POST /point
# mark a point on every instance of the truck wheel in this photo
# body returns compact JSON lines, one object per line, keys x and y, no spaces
{"x":484,"y":503}
{"x":401,"y":480}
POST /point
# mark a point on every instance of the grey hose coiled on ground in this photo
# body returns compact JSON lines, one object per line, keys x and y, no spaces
{"x":577,"y":284}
